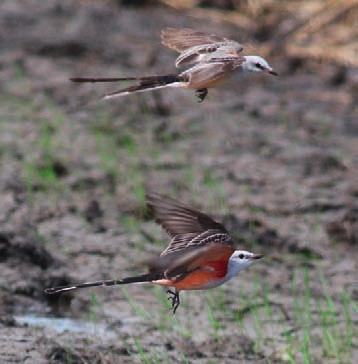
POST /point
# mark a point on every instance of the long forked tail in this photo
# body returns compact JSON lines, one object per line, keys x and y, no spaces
{"x":110,"y":282}
{"x":145,"y":83}
{"x":102,"y":79}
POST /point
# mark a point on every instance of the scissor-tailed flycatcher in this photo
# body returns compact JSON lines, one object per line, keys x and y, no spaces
{"x":201,"y":254}
{"x":213,"y":59}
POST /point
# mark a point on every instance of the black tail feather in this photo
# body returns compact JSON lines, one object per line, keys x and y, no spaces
{"x":146,"y":84}
{"x":102,"y":79}
{"x":159,"y":80}
{"x":148,"y":277}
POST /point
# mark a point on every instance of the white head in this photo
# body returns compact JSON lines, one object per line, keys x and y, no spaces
{"x":241,"y":259}
{"x":257,"y":64}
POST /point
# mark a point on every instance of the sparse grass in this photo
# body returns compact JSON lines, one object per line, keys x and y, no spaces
{"x":216,"y":310}
{"x":333,"y":341}
{"x":41,"y":176}
{"x":132,"y":227}
{"x":120,"y":157}
{"x":216,"y":190}
{"x":347,"y":302}
{"x":151,"y":355}
{"x":213,"y":320}
{"x":41,"y":166}
{"x":136,"y":181}
{"x":107,"y":153}
{"x":166,"y":320}
{"x":256,"y":316}
{"x":137,"y":308}
{"x":320,"y":327}
{"x":130,"y":224}
{"x":92,"y":315}
{"x":142,"y":354}
{"x":39,"y":237}
{"x":306,"y":318}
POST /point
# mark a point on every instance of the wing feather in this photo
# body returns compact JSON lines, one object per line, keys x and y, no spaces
{"x":197,"y":239}
{"x":177,"y":218}
{"x":195,"y":47}
{"x":188,"y":241}
{"x":181,"y":39}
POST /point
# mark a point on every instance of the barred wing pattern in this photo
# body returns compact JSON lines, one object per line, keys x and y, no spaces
{"x":195,"y":47}
{"x":188,"y":228}
{"x":181,"y":39}
{"x":187,"y":241}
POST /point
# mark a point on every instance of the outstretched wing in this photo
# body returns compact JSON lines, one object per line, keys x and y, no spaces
{"x":177,"y":218}
{"x":196,"y":46}
{"x":182,"y":39}
{"x":188,"y":227}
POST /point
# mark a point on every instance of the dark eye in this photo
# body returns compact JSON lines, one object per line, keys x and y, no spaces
{"x":241,"y":256}
{"x":258,"y":65}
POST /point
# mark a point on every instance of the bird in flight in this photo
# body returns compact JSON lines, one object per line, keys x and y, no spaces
{"x":200,"y":255}
{"x":212,"y":60}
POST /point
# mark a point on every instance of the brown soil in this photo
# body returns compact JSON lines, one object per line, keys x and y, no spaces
{"x":273,"y":158}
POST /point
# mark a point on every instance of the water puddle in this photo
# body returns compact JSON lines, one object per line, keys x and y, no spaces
{"x":61,"y":325}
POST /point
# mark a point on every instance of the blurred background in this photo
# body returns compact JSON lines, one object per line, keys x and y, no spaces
{"x":274,"y":158}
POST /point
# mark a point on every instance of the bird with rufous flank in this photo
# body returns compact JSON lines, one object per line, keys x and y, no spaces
{"x":201,"y":254}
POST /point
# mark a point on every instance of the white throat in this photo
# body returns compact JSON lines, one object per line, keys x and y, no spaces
{"x":245,"y":65}
{"x":234,"y":268}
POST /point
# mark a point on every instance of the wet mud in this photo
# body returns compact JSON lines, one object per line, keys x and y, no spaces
{"x":273,"y":158}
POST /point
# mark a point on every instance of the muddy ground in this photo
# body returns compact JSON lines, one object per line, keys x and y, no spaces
{"x":274,"y":158}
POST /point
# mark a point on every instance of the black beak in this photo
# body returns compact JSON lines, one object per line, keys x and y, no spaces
{"x":257,"y":256}
{"x":272,"y":72}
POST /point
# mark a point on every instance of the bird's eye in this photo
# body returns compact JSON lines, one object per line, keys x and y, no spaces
{"x":258,"y":65}
{"x":241,"y":256}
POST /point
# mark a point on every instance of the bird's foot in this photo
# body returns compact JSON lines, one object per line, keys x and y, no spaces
{"x":201,"y":94}
{"x":174,"y":298}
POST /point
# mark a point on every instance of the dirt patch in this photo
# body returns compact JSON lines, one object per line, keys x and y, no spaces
{"x":274,"y":159}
